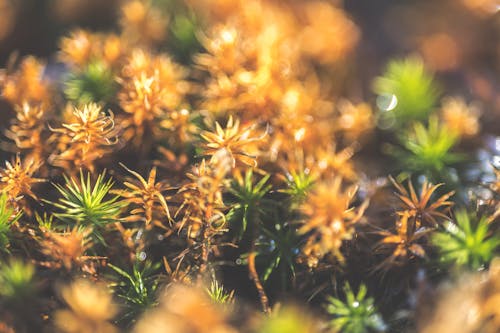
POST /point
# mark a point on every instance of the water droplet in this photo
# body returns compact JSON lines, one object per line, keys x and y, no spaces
{"x":386,"y":120}
{"x":138,"y":236}
{"x":497,"y":144}
{"x":496,"y":161}
{"x":387,"y":102}
{"x":483,"y":193}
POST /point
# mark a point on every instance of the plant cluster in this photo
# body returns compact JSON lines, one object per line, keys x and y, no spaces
{"x":203,"y":155}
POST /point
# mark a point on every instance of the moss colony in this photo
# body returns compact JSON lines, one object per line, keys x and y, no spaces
{"x":214,"y":166}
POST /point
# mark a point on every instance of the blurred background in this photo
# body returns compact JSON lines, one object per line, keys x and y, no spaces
{"x":458,"y":39}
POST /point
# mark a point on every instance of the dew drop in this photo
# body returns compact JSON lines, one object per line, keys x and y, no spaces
{"x":386,"y":120}
{"x":387,"y":102}
{"x":496,"y":161}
